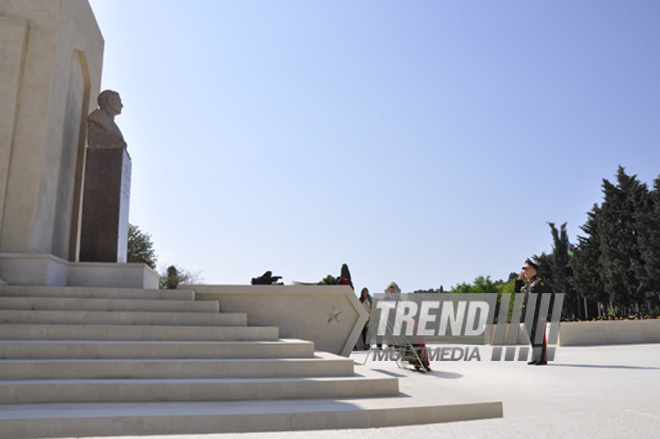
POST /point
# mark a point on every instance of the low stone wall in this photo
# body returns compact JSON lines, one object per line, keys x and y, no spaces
{"x":609,"y":332}
{"x":330,"y":316}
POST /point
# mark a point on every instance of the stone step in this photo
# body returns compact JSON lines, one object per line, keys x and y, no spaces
{"x":135,"y":332}
{"x":94,"y":293}
{"x":322,"y":364}
{"x":77,"y":304}
{"x":368,"y":384}
{"x":122,"y":318}
{"x":74,"y":349}
{"x":194,"y":418}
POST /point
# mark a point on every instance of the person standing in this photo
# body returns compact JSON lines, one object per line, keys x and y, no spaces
{"x":530,"y":282}
{"x":367,"y":303}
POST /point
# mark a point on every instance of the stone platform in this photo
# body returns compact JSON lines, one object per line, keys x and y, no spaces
{"x":78,"y":361}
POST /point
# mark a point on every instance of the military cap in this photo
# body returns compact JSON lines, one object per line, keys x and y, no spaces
{"x":530,"y":264}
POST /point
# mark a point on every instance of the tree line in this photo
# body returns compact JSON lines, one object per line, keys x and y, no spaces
{"x":614,"y":267}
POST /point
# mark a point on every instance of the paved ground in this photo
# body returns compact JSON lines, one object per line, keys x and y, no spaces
{"x":604,"y":392}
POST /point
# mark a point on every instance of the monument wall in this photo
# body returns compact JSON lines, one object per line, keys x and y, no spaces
{"x":51,"y":55}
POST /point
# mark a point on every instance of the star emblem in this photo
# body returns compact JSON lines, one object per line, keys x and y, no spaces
{"x":334,"y":315}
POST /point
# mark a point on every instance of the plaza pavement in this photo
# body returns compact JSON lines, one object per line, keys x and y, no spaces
{"x":587,"y":392}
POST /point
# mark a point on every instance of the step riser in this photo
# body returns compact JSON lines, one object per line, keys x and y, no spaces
{"x":121,"y":318}
{"x":94,"y":293}
{"x":174,"y":423}
{"x":32,"y":303}
{"x":23,"y":351}
{"x":136,"y":333}
{"x":72,"y":392}
{"x":164,"y":369}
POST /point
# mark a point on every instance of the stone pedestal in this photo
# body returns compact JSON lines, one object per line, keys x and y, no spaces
{"x":104,"y":231}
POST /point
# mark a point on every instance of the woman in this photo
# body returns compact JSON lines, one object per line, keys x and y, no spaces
{"x":367,"y":302}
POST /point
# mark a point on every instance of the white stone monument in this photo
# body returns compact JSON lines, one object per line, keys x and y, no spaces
{"x":51,"y":54}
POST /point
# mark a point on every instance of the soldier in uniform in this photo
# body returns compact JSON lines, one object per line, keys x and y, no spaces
{"x":529,"y":282}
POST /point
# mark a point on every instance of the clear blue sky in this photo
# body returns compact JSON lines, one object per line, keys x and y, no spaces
{"x":425,"y":142}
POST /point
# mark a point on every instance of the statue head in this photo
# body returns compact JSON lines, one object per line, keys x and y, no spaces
{"x":110,"y":102}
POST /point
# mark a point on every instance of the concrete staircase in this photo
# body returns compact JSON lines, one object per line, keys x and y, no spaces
{"x":102,"y":361}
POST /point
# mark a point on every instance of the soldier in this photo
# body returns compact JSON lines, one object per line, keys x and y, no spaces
{"x":528,"y":282}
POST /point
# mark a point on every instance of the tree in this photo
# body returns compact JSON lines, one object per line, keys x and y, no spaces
{"x":561,"y":272}
{"x":544,"y":262}
{"x":648,"y":239}
{"x":140,"y":247}
{"x":585,"y":263}
{"x":619,"y":228}
{"x":173,"y":276}
{"x":429,"y":291}
{"x":329,"y":280}
{"x":482,"y":284}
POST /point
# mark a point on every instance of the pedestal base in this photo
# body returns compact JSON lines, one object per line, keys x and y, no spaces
{"x":104,"y":230}
{"x":44,"y":269}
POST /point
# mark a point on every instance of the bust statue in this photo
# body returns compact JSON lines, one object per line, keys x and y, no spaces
{"x":102,"y":131}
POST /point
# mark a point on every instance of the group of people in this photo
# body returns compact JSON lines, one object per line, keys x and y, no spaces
{"x":414,"y":354}
{"x":529,"y":282}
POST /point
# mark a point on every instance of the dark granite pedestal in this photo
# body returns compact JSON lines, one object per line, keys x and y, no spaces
{"x":107,"y":187}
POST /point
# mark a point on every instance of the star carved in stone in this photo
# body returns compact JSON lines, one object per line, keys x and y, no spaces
{"x":334,"y":315}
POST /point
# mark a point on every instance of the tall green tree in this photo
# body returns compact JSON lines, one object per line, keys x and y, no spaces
{"x":140,"y":247}
{"x":648,"y":240}
{"x":619,"y":228}
{"x":585,"y":263}
{"x":561,"y":271}
{"x":544,"y":262}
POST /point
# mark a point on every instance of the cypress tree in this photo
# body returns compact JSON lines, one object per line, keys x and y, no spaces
{"x":620,"y":252}
{"x":585,"y":264}
{"x":648,"y":239}
{"x":562,"y":272}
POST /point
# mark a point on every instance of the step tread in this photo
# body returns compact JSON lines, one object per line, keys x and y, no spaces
{"x":92,"y":312}
{"x":94,"y":318}
{"x":103,"y":304}
{"x":197,"y":408}
{"x":370,"y":383}
{"x":135,"y":381}
{"x":166,"y":349}
{"x":95,"y":292}
{"x":107,"y":327}
{"x":318,"y":356}
{"x":137,"y":332}
{"x":412,"y":406}
{"x":279,"y":341}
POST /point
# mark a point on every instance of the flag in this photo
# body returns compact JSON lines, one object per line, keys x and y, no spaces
{"x":571,"y":249}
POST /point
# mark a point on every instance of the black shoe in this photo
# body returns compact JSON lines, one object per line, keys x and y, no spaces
{"x":540,"y":363}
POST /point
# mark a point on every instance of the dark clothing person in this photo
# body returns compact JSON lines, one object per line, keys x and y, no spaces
{"x":367,"y":302}
{"x":345,"y":276}
{"x":527,"y":283}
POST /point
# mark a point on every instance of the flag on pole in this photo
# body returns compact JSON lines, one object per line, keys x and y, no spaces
{"x":571,"y":249}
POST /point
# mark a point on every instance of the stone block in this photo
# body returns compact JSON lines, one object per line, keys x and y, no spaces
{"x":104,"y":232}
{"x":609,"y":332}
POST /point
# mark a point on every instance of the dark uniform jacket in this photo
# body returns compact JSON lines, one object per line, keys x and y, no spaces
{"x":533,"y":285}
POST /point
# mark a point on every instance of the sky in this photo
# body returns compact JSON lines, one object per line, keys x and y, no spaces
{"x":421,"y":142}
